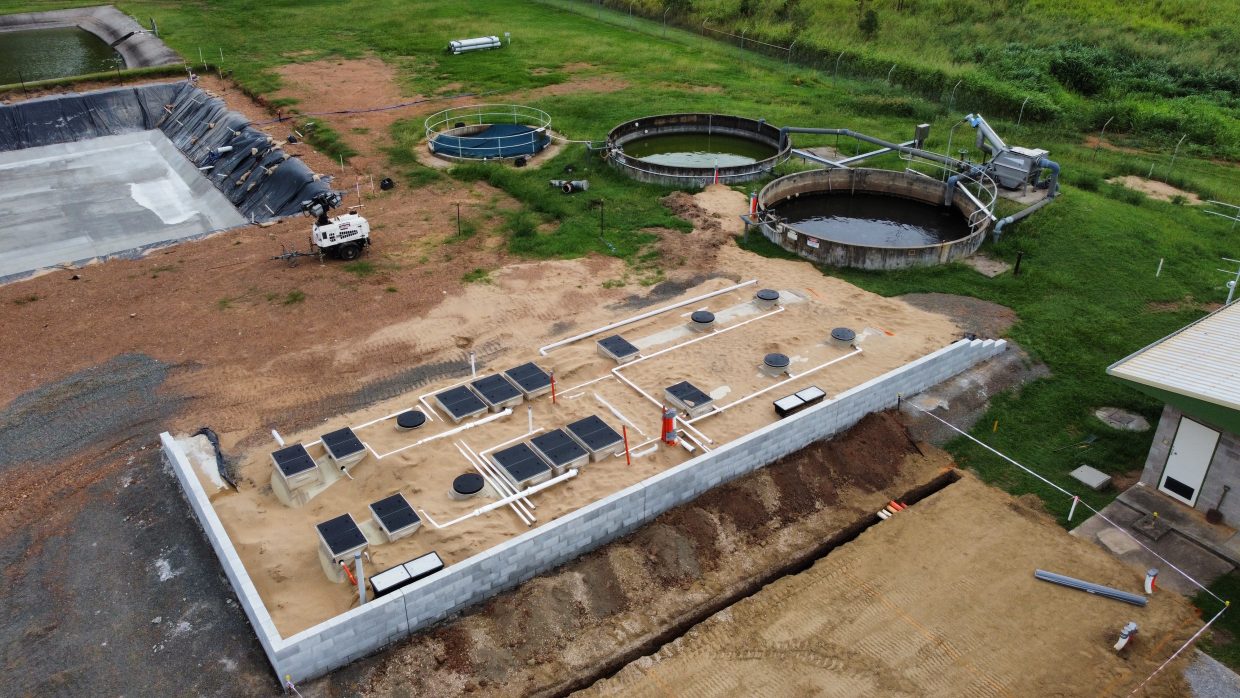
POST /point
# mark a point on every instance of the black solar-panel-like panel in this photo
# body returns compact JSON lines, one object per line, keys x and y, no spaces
{"x":521,"y":462}
{"x":529,"y":376}
{"x":495,"y":389}
{"x":341,"y":534}
{"x":618,"y":346}
{"x":460,"y":401}
{"x":688,"y":393}
{"x":395,"y":512}
{"x":342,"y":442}
{"x":594,"y":433}
{"x":293,"y":460}
{"x":559,"y":447}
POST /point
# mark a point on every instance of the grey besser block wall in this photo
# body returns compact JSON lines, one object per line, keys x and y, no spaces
{"x":1224,"y":468}
{"x":363,"y":630}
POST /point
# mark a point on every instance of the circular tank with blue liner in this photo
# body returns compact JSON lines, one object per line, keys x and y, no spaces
{"x":488,"y":132}
{"x":693,"y":150}
{"x":875,"y":219}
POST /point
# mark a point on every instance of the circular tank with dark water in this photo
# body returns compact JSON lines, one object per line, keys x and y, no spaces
{"x":871,"y":219}
{"x":503,"y":132}
{"x":694,"y":150}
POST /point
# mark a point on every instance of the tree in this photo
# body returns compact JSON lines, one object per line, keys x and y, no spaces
{"x":868,"y":24}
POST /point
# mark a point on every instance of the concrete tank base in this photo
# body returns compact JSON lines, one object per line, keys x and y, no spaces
{"x":882,"y":182}
{"x":721,"y":124}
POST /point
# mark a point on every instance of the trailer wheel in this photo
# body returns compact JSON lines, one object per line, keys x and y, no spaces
{"x":350,"y":251}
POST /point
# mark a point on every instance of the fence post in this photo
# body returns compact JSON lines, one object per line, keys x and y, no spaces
{"x":790,"y":47}
{"x":1022,"y":111}
{"x":836,"y":74}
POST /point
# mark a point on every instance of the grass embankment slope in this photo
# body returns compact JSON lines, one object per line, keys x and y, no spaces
{"x":1087,"y":295}
{"x":1161,"y":68}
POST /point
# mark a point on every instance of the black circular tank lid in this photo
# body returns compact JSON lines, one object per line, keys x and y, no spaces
{"x":469,"y":483}
{"x":776,"y":360}
{"x":843,"y":334}
{"x":411,"y":419}
{"x":702,"y":317}
{"x":767,"y":294}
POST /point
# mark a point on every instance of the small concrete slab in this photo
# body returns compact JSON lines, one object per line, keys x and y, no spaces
{"x":1151,"y":526}
{"x":987,"y":267}
{"x":1123,"y":420}
{"x":1092,"y":478}
{"x":1118,"y":543}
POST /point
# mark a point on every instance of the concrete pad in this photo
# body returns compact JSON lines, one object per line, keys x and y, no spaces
{"x":1114,"y":540}
{"x":1123,"y":420}
{"x":1092,"y":478}
{"x":73,"y":202}
{"x":990,"y":268}
{"x":1201,"y":563}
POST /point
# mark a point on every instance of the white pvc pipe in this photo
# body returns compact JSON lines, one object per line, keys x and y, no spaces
{"x":429,"y":409}
{"x":380,"y":419}
{"x":775,"y":385}
{"x":503,"y":502}
{"x":634,"y":386}
{"x":506,"y":487}
{"x":582,"y":385}
{"x":616,"y":412}
{"x":279,"y":439}
{"x":584,"y":335}
{"x":633,"y":449}
{"x":699,"y":436}
{"x":694,"y":439}
{"x":507,"y":411}
{"x":489,"y":478}
{"x":703,"y":338}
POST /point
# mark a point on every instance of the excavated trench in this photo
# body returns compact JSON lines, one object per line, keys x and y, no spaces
{"x":793,"y":566}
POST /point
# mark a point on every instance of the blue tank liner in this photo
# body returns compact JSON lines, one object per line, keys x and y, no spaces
{"x":495,"y":141}
{"x":257,"y":176}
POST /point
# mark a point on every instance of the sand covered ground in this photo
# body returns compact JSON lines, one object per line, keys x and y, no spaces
{"x":938,"y":601}
{"x":527,"y":306}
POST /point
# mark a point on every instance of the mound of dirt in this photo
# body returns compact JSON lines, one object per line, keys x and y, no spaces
{"x":556,"y":632}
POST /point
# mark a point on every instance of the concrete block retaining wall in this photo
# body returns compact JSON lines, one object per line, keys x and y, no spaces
{"x":363,"y":630}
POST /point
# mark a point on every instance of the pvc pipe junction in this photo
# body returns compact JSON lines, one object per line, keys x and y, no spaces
{"x":490,"y":418}
{"x":585,"y":335}
{"x":495,"y":505}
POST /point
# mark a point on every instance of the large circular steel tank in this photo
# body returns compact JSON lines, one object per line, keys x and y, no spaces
{"x":872,"y":219}
{"x":693,"y":150}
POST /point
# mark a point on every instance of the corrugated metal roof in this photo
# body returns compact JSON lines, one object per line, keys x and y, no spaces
{"x":1200,"y":361}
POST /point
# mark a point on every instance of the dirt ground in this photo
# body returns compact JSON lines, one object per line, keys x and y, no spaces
{"x":938,"y":601}
{"x":585,"y":620}
{"x":1155,"y":189}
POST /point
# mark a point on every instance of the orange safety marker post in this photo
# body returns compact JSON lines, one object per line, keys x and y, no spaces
{"x":552,"y":387}
{"x":625,"y":430}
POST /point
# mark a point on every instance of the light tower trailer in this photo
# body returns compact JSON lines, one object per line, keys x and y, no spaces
{"x":343,"y":237}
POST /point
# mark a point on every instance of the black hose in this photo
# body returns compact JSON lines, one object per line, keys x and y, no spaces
{"x":220,"y":463}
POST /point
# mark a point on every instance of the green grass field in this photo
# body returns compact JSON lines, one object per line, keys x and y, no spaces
{"x":1088,"y":294}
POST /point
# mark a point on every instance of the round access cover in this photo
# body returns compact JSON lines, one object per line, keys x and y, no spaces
{"x":767,"y":294}
{"x":776,"y":360}
{"x":843,"y":335}
{"x":410,"y":420}
{"x":702,"y":317}
{"x":468,"y":484}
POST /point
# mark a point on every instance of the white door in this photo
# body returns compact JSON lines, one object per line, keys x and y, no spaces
{"x":1191,"y":453}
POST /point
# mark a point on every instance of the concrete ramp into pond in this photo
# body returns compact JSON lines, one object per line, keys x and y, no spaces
{"x":77,"y":201}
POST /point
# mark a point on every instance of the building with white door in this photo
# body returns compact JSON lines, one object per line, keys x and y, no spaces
{"x":1196,"y":449}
